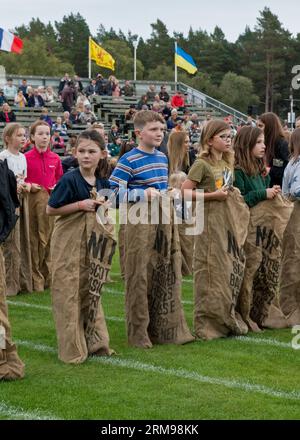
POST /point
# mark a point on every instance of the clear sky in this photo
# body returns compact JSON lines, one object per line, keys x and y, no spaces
{"x":137,"y":15}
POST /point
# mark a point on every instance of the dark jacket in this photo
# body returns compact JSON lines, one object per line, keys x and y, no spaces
{"x":31,"y":101}
{"x":279,"y":162}
{"x":11,"y":117}
{"x":8,"y":201}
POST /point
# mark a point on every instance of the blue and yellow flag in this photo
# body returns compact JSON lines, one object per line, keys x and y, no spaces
{"x":185,"y":61}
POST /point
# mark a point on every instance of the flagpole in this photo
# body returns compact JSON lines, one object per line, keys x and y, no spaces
{"x":90,"y":63}
{"x":175,"y":65}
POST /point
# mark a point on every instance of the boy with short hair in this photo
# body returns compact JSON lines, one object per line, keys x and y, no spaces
{"x":139,"y":176}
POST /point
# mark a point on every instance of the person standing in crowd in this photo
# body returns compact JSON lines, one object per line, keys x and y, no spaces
{"x":10,"y":90}
{"x":67,"y":96}
{"x":23,"y":86}
{"x":163,"y":94}
{"x":277,"y":149}
{"x":62,"y":83}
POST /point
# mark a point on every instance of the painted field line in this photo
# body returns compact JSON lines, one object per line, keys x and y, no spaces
{"x":38,"y":307}
{"x":182,"y":374}
{"x":19,"y":413}
{"x":264,"y":341}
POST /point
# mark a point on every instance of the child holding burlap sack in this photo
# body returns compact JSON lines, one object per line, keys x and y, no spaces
{"x":289,"y":277}
{"x":269,"y":213}
{"x":81,"y":255}
{"x":44,"y":169}
{"x":154,"y":312}
{"x":218,"y":255}
{"x":17,"y":246}
{"x":11,"y":367}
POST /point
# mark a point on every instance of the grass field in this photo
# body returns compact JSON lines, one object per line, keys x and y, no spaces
{"x":255,"y":377}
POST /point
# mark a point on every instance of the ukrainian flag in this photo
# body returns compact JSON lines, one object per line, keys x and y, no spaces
{"x":185,"y":61}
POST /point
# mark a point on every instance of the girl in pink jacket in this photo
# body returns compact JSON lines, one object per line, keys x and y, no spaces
{"x":44,"y":169}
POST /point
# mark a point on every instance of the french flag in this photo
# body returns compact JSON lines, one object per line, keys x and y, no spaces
{"x":9,"y":42}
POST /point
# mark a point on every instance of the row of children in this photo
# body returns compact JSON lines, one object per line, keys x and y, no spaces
{"x":236,"y":260}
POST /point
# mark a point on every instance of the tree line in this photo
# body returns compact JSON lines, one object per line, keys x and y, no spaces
{"x":255,"y":70}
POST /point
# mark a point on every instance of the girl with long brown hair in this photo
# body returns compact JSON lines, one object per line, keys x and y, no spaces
{"x":250,"y":171}
{"x":277,"y":151}
{"x":178,"y":152}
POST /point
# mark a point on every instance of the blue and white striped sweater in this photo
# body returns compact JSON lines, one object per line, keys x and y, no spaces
{"x":137,"y":170}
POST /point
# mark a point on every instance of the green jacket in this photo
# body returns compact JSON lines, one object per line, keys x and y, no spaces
{"x":253,"y":188}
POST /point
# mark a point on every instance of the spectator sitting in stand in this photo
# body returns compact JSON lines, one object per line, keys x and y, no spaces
{"x":82,"y":99}
{"x":128,"y":89}
{"x":113,"y":134}
{"x":9,"y":89}
{"x":59,"y":127}
{"x":195,"y":133}
{"x":6,"y":114}
{"x":62,"y":83}
{"x":42,"y":92}
{"x":87,"y":116}
{"x":74,"y":116}
{"x":178,"y":101}
{"x":129,"y":114}
{"x":35,"y":100}
{"x":57,"y":143}
{"x":172,"y":121}
{"x":156,"y":107}
{"x":163,"y":94}
{"x":114,"y":147}
{"x":50,"y":95}
{"x":2,"y":97}
{"x":91,"y":89}
{"x":143,"y":101}
{"x":23,"y":86}
{"x":20,"y":100}
{"x":151,"y":92}
{"x":187,"y":123}
{"x":45,"y":117}
{"x":66,"y":120}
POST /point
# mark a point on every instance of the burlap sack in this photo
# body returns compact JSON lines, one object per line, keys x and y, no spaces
{"x":17,"y":253}
{"x":154,"y":312}
{"x":186,"y":248}
{"x":258,"y":300}
{"x":289,"y":276}
{"x":26,"y":265}
{"x":81,"y":251}
{"x":41,"y":226}
{"x":219,"y":263}
{"x":11,"y":367}
{"x":122,"y":252}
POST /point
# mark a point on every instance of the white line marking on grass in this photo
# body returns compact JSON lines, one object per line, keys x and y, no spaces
{"x":181,"y":373}
{"x":263,"y":341}
{"x":38,"y":307}
{"x":19,"y":413}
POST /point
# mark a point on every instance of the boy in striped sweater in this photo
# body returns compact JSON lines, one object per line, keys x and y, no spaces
{"x":140,"y":175}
